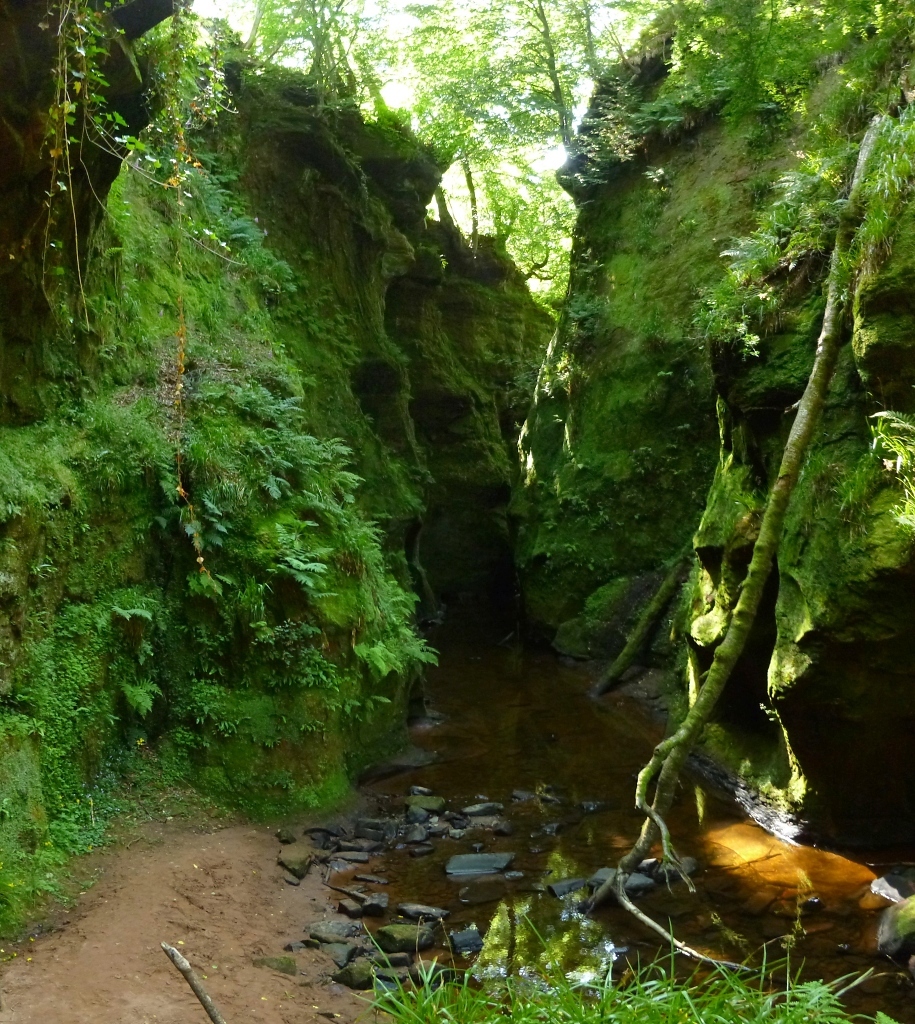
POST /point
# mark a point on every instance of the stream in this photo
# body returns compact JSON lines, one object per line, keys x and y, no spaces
{"x":501,"y":720}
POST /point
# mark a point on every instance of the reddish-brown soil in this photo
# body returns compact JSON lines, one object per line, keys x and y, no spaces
{"x":215,"y":893}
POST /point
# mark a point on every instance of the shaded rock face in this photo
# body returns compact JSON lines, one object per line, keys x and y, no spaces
{"x":643,"y":436}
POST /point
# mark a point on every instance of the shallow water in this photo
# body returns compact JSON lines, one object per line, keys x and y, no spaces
{"x":516,"y":719}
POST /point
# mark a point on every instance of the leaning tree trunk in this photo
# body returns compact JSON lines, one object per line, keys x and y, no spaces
{"x":670,"y":755}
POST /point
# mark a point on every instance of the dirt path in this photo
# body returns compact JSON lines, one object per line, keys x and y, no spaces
{"x":215,"y":893}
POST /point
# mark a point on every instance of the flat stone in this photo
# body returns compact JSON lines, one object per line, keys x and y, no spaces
{"x":422,"y":850}
{"x":340,"y":952}
{"x":358,"y":846}
{"x":513,"y":876}
{"x":359,"y":976}
{"x":372,"y":834}
{"x":420,"y":791}
{"x":353,"y":857}
{"x":417,"y":815}
{"x":478,"y":863}
{"x":333,"y":931}
{"x":483,"y":809}
{"x":432,"y":804}
{"x":375,"y":905}
{"x":566,"y":886}
{"x":522,"y":796}
{"x":292,"y":881}
{"x":466,"y":942}
{"x":371,"y":879}
{"x":282,"y":964}
{"x":404,"y":938}
{"x":295,"y":947}
{"x":295,"y":862}
{"x":456,"y":833}
{"x":389,"y":959}
{"x":286,"y":836}
{"x":351,"y":908}
{"x":417,"y":834}
{"x":503,"y":828}
{"x":417,"y":911}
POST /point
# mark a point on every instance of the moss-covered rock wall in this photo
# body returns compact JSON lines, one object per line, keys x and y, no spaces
{"x":231,"y":459}
{"x":650,"y":432}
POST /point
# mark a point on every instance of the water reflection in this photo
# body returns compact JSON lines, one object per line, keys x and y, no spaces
{"x":517,"y":720}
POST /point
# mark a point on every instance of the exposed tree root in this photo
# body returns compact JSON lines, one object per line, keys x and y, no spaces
{"x":670,"y":755}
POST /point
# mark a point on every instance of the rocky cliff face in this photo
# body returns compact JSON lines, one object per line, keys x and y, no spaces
{"x":647,"y":434}
{"x":336,"y":373}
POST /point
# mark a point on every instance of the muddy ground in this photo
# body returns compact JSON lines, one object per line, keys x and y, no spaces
{"x":215,"y":892}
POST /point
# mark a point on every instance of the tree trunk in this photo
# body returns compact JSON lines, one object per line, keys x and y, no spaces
{"x":671,"y":754}
{"x":552,"y":70}
{"x":474,"y":206}
{"x":255,"y":25}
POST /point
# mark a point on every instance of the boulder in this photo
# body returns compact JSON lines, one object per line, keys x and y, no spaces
{"x":341,"y":952}
{"x":466,"y":942}
{"x":893,"y":887}
{"x":432,"y":804}
{"x":417,"y":834}
{"x":375,"y":905}
{"x":417,"y":815}
{"x":295,"y":862}
{"x":565,"y":886}
{"x":421,"y":850}
{"x":351,"y":908}
{"x":896,"y":932}
{"x":360,"y":975}
{"x":333,"y":931}
{"x":404,"y":938}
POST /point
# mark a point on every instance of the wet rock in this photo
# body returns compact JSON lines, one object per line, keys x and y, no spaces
{"x":551,"y":828}
{"x":456,"y":820}
{"x":478,"y":863}
{"x":359,"y":976}
{"x":286,"y":836}
{"x":351,"y":908}
{"x":434,"y":975}
{"x":371,"y":879}
{"x":422,"y":850}
{"x":565,"y":886}
{"x":339,"y":865}
{"x":333,"y":931}
{"x":439,"y":830}
{"x":417,"y":911}
{"x":353,"y":857}
{"x":404,"y":938}
{"x":295,"y":947}
{"x":432,"y":804}
{"x":420,"y":791}
{"x":513,"y":876}
{"x":592,"y":806}
{"x":665,"y":873}
{"x":896,"y":932}
{"x":483,"y":809}
{"x":358,"y":846}
{"x":477,"y":847}
{"x":296,"y":863}
{"x":340,"y":952}
{"x":503,"y":828}
{"x":482,"y":892}
{"x":466,"y":942}
{"x":417,"y":834}
{"x":375,"y":905}
{"x":638,"y":884}
{"x":456,"y":833}
{"x":894,"y":887}
{"x":282,"y":964}
{"x":522,"y":796}
{"x":323,"y":830}
{"x":599,"y":877}
{"x":871,"y":901}
{"x":417,"y":815}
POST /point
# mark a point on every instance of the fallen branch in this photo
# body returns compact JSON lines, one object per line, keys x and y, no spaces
{"x":644,"y":626}
{"x":190,"y":976}
{"x":670,"y":755}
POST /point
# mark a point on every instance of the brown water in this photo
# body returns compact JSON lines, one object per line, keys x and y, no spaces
{"x":516,"y":719}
